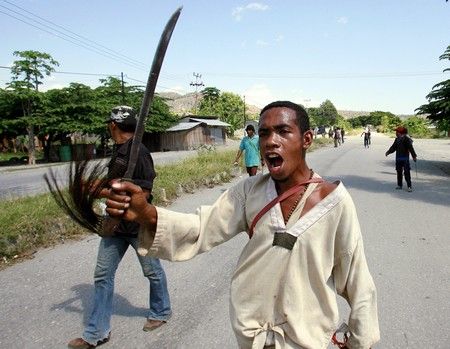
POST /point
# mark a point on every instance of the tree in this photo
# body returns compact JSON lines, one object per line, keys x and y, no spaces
{"x":389,"y":122}
{"x":314,"y":117}
{"x":229,"y":107}
{"x":210,"y":97}
{"x":417,"y":127}
{"x":109,"y":94}
{"x":27,"y":74}
{"x":11,"y":126}
{"x":327,"y":113}
{"x":438,"y":107}
{"x":67,"y":110}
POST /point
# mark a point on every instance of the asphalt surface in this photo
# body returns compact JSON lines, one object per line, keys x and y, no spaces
{"x":45,"y":301}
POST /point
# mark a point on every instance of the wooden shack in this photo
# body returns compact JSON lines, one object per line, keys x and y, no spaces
{"x":192,"y":132}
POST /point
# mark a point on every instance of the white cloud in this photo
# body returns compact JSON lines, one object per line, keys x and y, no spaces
{"x":279,"y":38}
{"x":239,"y":11}
{"x":52,"y":86}
{"x":342,"y":20}
{"x":178,"y":88}
{"x":259,"y":95}
{"x":261,"y":43}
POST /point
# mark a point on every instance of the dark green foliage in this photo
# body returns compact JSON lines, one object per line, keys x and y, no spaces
{"x":227,"y":106}
{"x":438,"y":107}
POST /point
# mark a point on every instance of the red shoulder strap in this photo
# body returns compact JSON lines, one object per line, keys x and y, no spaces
{"x":284,"y":196}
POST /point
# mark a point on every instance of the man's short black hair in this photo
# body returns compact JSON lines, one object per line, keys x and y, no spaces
{"x":302,"y":117}
{"x":250,"y":127}
{"x":126,"y":127}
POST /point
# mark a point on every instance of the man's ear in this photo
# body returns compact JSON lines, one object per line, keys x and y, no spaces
{"x":307,"y":139}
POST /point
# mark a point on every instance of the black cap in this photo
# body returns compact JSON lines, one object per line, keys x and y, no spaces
{"x":123,"y":114}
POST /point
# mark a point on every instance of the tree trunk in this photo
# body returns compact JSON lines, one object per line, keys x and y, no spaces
{"x":31,"y":146}
{"x":47,"y":143}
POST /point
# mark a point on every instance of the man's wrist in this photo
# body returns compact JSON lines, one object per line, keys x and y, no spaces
{"x":149,"y":218}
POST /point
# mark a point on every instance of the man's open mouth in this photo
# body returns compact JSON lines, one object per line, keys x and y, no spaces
{"x":274,"y":161}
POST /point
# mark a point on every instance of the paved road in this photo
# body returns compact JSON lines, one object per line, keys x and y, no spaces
{"x":45,"y":301}
{"x":18,"y":181}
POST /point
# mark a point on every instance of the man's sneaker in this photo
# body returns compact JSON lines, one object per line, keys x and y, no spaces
{"x":398,"y":188}
{"x":409,"y":189}
{"x":152,"y":324}
{"x":80,"y":343}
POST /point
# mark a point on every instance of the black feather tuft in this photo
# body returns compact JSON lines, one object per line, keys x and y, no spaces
{"x":85,"y":184}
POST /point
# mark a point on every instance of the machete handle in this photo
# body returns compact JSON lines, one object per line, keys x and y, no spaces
{"x":110,"y":224}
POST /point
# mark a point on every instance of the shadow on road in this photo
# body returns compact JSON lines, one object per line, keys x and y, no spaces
{"x":84,"y":294}
{"x":435,"y":191}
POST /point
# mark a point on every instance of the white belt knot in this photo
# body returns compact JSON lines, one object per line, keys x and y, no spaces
{"x":261,"y":334}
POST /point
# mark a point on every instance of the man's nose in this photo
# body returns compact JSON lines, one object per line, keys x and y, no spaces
{"x":273,"y":140}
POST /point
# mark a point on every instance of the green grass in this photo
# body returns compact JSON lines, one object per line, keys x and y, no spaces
{"x":27,"y":224}
{"x":16,"y":156}
{"x":30,"y":223}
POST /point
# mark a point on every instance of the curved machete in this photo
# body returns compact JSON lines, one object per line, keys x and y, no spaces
{"x":150,"y":91}
{"x":110,"y":224}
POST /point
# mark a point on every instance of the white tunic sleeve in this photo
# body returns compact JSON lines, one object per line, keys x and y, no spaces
{"x":181,"y":236}
{"x":354,"y":282}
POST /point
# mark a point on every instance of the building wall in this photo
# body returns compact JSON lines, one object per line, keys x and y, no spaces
{"x":190,"y":139}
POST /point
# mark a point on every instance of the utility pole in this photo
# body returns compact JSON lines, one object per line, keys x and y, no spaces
{"x":245,"y":116}
{"x":123,"y":90}
{"x":197,"y":83}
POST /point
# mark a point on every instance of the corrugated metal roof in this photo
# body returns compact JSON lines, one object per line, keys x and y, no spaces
{"x":211,"y":122}
{"x":183,"y":126}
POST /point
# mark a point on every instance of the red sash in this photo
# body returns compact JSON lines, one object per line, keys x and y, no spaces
{"x":282,"y":197}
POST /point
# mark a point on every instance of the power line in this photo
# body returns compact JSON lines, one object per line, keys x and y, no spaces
{"x":114,"y":56}
{"x":78,"y":35}
{"x":159,"y":86}
{"x":71,"y":73}
{"x":71,"y":41}
{"x":81,"y":42}
{"x":326,"y":76}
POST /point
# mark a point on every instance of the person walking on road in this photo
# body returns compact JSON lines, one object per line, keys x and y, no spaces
{"x":366,"y":134}
{"x":305,"y":243}
{"x":402,"y":147}
{"x":249,"y":145}
{"x":337,"y":136}
{"x":121,"y":124}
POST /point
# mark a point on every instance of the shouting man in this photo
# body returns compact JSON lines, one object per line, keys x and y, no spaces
{"x":305,"y":243}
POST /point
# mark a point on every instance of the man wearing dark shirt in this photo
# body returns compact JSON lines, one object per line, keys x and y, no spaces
{"x":121,"y":124}
{"x":402,"y":147}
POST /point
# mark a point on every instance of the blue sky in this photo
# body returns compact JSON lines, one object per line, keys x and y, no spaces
{"x":361,"y":55}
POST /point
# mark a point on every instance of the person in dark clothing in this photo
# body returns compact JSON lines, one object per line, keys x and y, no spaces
{"x":402,"y":147}
{"x":121,"y":124}
{"x":366,"y":134}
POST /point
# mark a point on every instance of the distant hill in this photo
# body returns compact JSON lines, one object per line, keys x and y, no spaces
{"x":184,"y":104}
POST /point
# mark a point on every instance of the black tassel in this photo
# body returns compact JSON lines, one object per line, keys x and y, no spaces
{"x":86,"y":181}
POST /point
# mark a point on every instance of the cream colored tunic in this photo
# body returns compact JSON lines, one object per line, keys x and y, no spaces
{"x":280,"y":295}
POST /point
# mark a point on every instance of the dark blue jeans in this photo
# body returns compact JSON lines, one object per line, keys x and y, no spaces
{"x":110,"y":253}
{"x":403,"y":166}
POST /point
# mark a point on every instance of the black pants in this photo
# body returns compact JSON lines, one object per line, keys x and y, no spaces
{"x":366,"y":142}
{"x":400,"y":166}
{"x":252,"y":170}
